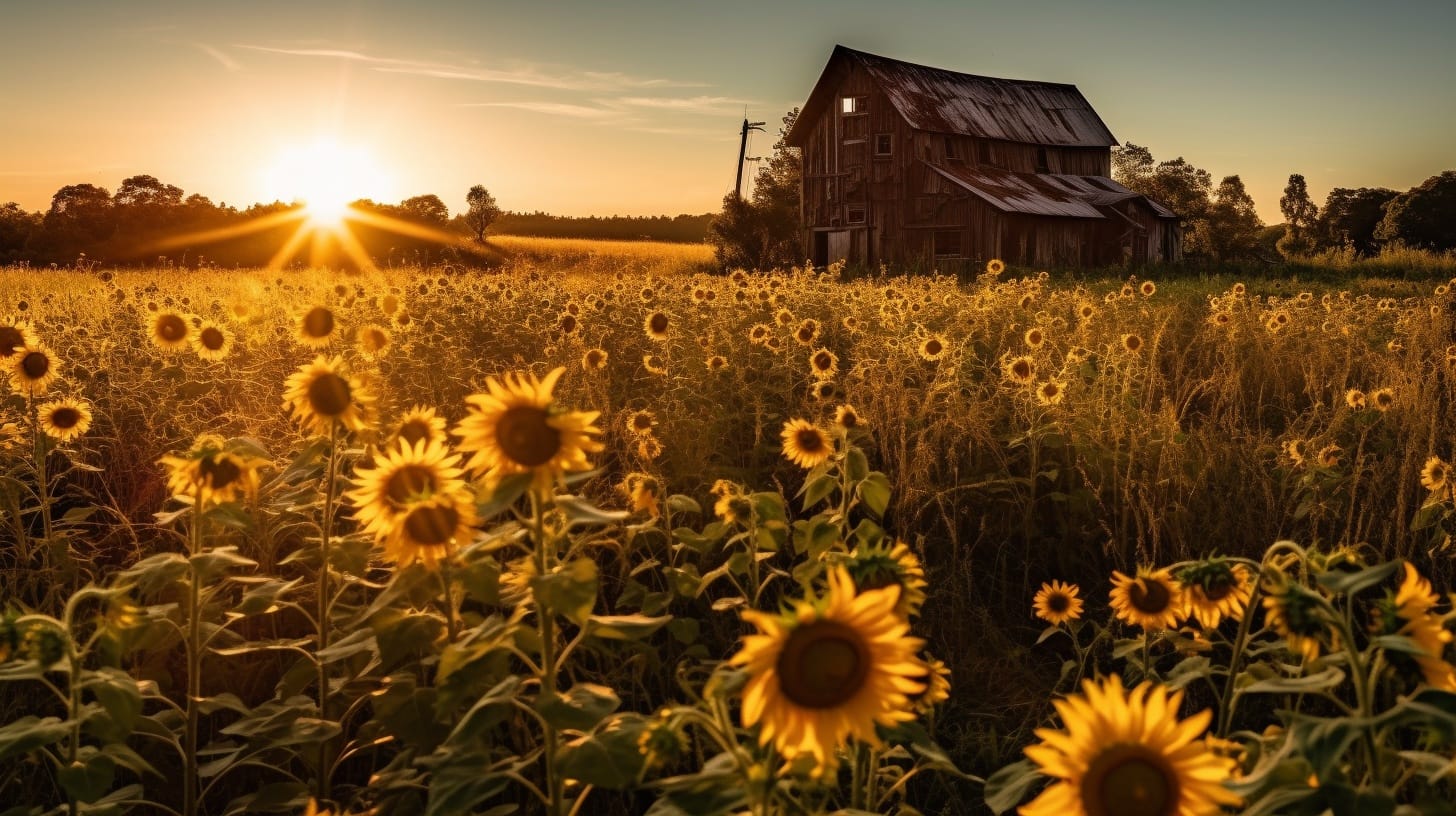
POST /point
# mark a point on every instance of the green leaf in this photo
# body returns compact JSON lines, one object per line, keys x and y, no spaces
{"x":1320,"y":681}
{"x":579,"y":511}
{"x":856,"y":465}
{"x":491,"y":709}
{"x":874,"y":493}
{"x":580,"y":708}
{"x":506,"y":493}
{"x":154,"y":574}
{"x":481,"y":578}
{"x":29,"y":733}
{"x":263,"y":598}
{"x":210,"y":564}
{"x":684,"y":630}
{"x":89,"y":777}
{"x":570,"y":592}
{"x":1008,"y":786}
{"x":818,"y":488}
{"x":608,"y":758}
{"x":120,"y":703}
{"x":1351,"y":583}
{"x":402,"y":636}
{"x":624,"y":627}
{"x":677,"y":503}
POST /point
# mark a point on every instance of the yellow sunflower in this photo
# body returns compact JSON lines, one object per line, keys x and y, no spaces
{"x":212,"y":474}
{"x":1020,"y":370}
{"x":656,"y":325}
{"x":322,"y":393}
{"x":1034,"y":337}
{"x":211,"y":341}
{"x":1436,"y":474}
{"x":1050,"y":392}
{"x":420,"y":423}
{"x":1132,"y":343}
{"x":1383,"y":399}
{"x":932,"y":348}
{"x":1295,"y":614}
{"x":1413,"y":603}
{"x":15,"y":335}
{"x":654,"y":364}
{"x":805,"y":444}
{"x":879,"y":566}
{"x":847,"y":418}
{"x":1057,"y":603}
{"x":1355,"y":398}
{"x":829,"y":671}
{"x":373,"y":340}
{"x":65,"y":419}
{"x":316,"y":327}
{"x":1215,"y":589}
{"x":1148,"y":289}
{"x":33,"y":369}
{"x":568,"y":324}
{"x":405,"y":474}
{"x":995,"y":266}
{"x":1153,"y":600}
{"x":516,"y":428}
{"x":643,"y":492}
{"x":823,"y":364}
{"x":170,"y":330}
{"x":641,"y":422}
{"x":594,"y":360}
{"x":824,"y":390}
{"x":1124,"y":752}
{"x":431,"y":529}
{"x":759,"y":333}
{"x":716,"y":362}
{"x":937,"y":686}
{"x":808,"y":332}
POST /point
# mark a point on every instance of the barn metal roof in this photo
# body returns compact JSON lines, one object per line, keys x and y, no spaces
{"x":942,"y":101}
{"x":1043,"y":193}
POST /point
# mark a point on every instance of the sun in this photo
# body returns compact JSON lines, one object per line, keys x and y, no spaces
{"x":326,"y":176}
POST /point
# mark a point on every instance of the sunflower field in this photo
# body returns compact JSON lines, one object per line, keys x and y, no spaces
{"x":616,"y":536}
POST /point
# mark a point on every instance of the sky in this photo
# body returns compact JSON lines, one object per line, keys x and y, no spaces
{"x":576,"y":107}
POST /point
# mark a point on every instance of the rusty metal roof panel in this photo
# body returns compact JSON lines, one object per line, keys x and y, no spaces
{"x":1025,"y":193}
{"x":942,"y":101}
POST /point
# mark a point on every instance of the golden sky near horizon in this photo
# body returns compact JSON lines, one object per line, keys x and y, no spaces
{"x":633,"y":108}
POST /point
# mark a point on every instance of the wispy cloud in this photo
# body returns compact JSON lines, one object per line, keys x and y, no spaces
{"x":706,"y":105}
{"x":551,"y":108}
{"x":222,"y":58}
{"x":528,"y":75}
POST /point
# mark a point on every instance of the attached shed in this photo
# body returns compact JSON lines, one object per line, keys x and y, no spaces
{"x":908,"y":164}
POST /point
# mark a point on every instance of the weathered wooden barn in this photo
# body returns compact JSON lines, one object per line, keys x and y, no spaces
{"x":907,"y":164}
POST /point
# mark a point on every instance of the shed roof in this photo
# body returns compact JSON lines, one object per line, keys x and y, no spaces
{"x":1044,"y":193}
{"x":942,"y":101}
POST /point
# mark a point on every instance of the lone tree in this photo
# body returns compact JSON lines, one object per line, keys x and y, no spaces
{"x":1233,"y":224}
{"x":483,"y":211}
{"x":1299,"y":218}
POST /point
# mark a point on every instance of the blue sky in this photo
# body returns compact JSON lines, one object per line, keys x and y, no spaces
{"x":633,"y":107}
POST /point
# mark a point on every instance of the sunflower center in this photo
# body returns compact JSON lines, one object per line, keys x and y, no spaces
{"x":414,"y":431}
{"x":933,"y":347}
{"x":1219,"y":588}
{"x":329,"y":394}
{"x":319,"y":322}
{"x":822,"y":361}
{"x":65,"y":418}
{"x":10,"y":338}
{"x":410,"y":482}
{"x":1149,"y":596}
{"x":212,"y":338}
{"x":1130,"y":780}
{"x":809,"y":440}
{"x":35,"y":364}
{"x":526,"y":437}
{"x":171,"y":328}
{"x":823,"y":665}
{"x":218,"y":471}
{"x":1021,"y":370}
{"x":658,"y":323}
{"x":1058,"y":602}
{"x":431,"y":524}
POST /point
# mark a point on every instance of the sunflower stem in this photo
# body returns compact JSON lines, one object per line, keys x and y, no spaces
{"x":326,"y":533}
{"x":547,"y":629}
{"x":452,"y":628}
{"x":37,"y":441}
{"x":194,"y":662}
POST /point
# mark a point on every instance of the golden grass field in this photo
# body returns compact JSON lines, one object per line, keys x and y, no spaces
{"x":691,"y":575}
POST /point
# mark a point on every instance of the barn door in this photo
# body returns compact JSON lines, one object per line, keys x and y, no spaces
{"x":838,"y":245}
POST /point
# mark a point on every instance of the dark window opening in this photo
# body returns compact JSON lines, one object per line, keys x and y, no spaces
{"x":948,"y":244}
{"x":1041,"y":160}
{"x":884,"y":144}
{"x":983,"y":152}
{"x":856,"y":215}
{"x":953,"y":150}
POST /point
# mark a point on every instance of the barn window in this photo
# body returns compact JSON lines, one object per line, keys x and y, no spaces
{"x":884,"y":144}
{"x":983,"y":152}
{"x":855,"y":215}
{"x":948,"y":244}
{"x":851,"y":105}
{"x":953,"y":150}
{"x":1041,"y":160}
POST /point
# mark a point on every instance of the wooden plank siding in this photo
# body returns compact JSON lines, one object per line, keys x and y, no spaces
{"x":870,"y":193}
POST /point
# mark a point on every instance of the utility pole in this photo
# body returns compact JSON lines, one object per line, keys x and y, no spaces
{"x":742,"y":150}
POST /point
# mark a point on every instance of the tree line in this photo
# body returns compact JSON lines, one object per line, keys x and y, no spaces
{"x":147,"y":221}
